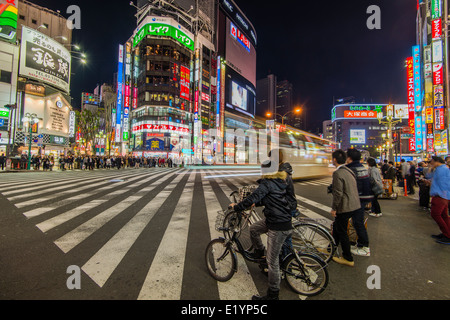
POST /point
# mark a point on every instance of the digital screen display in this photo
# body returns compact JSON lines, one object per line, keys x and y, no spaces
{"x":238,"y":96}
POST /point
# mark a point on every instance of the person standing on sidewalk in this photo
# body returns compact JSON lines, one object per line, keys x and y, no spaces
{"x":345,"y":205}
{"x":440,"y":193}
{"x":377,"y":187}
{"x":365,"y":196}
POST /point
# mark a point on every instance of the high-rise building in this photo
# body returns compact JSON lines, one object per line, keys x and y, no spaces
{"x":188,"y":69}
{"x":286,"y":105}
{"x":266,"y":96}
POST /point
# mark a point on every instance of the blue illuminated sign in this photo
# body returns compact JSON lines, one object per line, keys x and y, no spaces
{"x":418,"y":95}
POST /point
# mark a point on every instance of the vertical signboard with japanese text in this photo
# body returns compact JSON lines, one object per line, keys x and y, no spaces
{"x":119,"y":95}
{"x":411,"y":100}
{"x":417,"y":79}
{"x":127,"y":92}
{"x":436,"y":9}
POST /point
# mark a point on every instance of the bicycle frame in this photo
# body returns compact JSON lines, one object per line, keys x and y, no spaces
{"x":234,"y":239}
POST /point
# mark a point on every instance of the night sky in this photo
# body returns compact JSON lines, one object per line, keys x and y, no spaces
{"x":323,"y":48}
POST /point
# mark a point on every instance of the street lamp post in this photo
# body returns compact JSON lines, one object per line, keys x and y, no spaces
{"x":390,"y":122}
{"x":31,"y":119}
{"x":269,"y":114}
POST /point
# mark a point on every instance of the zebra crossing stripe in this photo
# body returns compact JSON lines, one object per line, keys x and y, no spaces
{"x":164,"y":280}
{"x":69,"y":191}
{"x":311,"y":214}
{"x":241,"y":283}
{"x":68,"y":215}
{"x":38,"y":211}
{"x":17,"y":187}
{"x":100,"y":267}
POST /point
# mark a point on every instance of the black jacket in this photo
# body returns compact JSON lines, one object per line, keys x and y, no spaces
{"x":271,"y":194}
{"x":362,"y":181}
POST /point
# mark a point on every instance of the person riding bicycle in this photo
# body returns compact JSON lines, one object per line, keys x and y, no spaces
{"x":272,"y":194}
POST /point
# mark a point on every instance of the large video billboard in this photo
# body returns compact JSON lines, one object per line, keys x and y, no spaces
{"x":240,"y":94}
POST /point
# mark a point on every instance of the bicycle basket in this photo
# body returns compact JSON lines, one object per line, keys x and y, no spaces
{"x":245,"y":191}
{"x":219,"y":220}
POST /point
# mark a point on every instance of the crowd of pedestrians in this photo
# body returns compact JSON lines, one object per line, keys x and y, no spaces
{"x":63,"y":163}
{"x":355,"y":186}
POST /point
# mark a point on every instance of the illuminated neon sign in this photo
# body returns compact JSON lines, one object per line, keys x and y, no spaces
{"x":240,"y":37}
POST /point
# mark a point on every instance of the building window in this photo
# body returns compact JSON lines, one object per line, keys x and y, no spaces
{"x":5,"y":76}
{"x":46,"y":25}
{"x":21,"y":17}
{"x":33,"y":21}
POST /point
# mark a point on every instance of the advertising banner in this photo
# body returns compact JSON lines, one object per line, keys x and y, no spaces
{"x":44,"y":59}
{"x":119,"y":94}
{"x":8,"y":20}
{"x":439,"y":96}
{"x":411,"y":101}
{"x":164,"y":27}
{"x":439,"y":123}
{"x":438,"y":74}
{"x":185,"y":82}
{"x":417,"y":79}
{"x":419,"y":133}
{"x":437,"y":51}
{"x":436,"y":29}
{"x":358,"y":136}
{"x":436,"y":9}
{"x":429,"y":115}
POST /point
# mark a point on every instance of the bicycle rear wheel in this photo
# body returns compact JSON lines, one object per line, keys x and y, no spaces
{"x":312,"y":238}
{"x":307,"y":276}
{"x":221,"y":261}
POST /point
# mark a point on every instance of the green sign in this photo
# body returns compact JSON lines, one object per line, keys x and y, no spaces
{"x":4,"y":113}
{"x":8,"y":20}
{"x":436,"y":9}
{"x":125,"y":136}
{"x":163,"y":30}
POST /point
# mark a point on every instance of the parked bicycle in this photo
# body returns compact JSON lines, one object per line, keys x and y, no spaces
{"x":309,"y":236}
{"x":305,"y":273}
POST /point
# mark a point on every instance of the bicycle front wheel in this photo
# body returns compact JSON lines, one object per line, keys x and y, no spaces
{"x":220,"y":260}
{"x":312,"y":238}
{"x":231,"y":222}
{"x":307,"y":276}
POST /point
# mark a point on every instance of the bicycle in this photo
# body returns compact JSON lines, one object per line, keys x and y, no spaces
{"x":312,"y":236}
{"x":308,"y":235}
{"x":306,"y":274}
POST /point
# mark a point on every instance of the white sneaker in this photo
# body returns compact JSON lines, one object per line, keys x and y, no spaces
{"x":364,"y":251}
{"x":377,"y":215}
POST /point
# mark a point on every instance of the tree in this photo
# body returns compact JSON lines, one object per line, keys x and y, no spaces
{"x":88,"y":123}
{"x":109,"y":102}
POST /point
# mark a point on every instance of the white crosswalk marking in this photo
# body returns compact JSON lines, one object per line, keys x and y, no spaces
{"x":239,"y":286}
{"x":165,"y":277}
